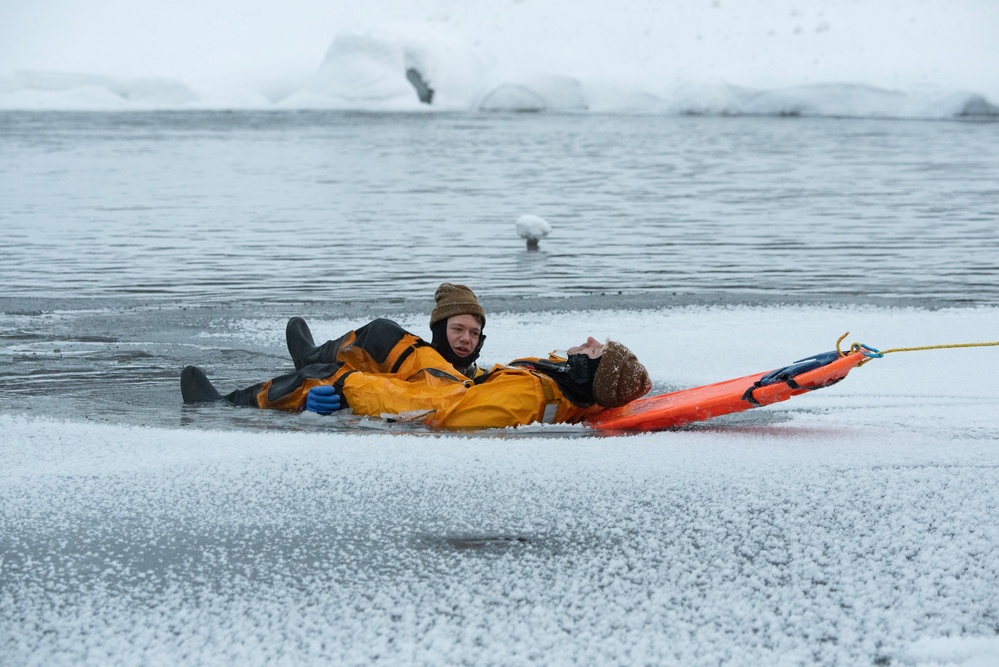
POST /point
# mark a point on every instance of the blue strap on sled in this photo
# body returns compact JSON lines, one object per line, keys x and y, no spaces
{"x":788,"y":373}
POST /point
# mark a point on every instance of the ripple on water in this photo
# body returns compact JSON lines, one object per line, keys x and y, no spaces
{"x":284,"y":207}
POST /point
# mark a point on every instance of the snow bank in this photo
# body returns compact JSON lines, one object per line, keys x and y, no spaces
{"x":70,"y":91}
{"x":887,"y":58}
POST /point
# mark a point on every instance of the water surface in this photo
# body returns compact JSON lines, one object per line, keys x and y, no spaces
{"x":208,"y":207}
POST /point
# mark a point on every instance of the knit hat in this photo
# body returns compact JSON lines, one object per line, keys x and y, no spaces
{"x":455,"y":300}
{"x":620,"y":379}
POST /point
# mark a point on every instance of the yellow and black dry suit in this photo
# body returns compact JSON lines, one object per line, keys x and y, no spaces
{"x":381,"y":369}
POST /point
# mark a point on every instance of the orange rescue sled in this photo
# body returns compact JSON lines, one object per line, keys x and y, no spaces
{"x":699,"y":403}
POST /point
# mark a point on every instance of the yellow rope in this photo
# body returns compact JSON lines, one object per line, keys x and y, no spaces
{"x":856,"y":346}
{"x":840,"y":340}
{"x":937,"y":347}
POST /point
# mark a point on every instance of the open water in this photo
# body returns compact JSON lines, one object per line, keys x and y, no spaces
{"x":237,"y":207}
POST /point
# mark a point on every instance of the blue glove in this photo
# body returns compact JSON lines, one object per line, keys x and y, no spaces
{"x":324,"y":400}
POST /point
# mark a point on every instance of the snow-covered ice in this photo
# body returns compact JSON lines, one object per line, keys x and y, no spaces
{"x":852,"y":526}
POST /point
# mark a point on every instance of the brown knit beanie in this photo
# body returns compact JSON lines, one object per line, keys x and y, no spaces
{"x":619,"y":379}
{"x":455,"y":300}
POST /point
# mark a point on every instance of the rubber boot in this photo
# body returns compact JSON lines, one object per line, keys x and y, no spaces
{"x":195,"y":386}
{"x":303,"y":348}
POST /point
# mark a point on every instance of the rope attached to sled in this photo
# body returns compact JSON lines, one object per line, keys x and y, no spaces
{"x":872,"y":353}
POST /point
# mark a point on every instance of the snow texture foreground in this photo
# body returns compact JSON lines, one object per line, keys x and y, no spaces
{"x":817,"y":541}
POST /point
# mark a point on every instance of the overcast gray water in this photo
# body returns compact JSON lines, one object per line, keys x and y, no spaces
{"x":259,"y":207}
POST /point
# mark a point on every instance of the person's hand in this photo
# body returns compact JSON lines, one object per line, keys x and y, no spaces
{"x":324,"y":400}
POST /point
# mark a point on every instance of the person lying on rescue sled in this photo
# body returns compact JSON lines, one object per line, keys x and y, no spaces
{"x":456,"y":323}
{"x":591,"y":377}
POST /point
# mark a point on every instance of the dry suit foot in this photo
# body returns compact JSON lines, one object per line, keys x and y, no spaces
{"x":300,"y":342}
{"x":195,"y":386}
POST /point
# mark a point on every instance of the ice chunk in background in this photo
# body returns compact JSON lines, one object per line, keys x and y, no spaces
{"x":543,"y":93}
{"x":371,"y":70}
{"x":67,"y":90}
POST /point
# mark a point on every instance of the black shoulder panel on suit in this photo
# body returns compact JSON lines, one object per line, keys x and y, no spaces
{"x":378,"y":337}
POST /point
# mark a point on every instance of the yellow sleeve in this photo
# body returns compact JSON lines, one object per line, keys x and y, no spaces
{"x":509,"y":397}
{"x":374,"y":395}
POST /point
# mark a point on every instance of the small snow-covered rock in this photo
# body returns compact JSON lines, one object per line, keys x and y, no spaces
{"x":533,"y":228}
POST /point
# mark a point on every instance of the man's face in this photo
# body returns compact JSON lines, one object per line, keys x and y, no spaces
{"x":463,"y":333}
{"x":591,"y":348}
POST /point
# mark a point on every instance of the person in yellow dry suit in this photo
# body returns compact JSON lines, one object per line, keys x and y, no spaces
{"x":420,"y":384}
{"x":456,"y":324}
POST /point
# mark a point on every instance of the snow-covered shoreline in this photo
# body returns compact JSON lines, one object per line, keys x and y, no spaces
{"x":836,"y":58}
{"x":29,"y":91}
{"x":848,"y":526}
